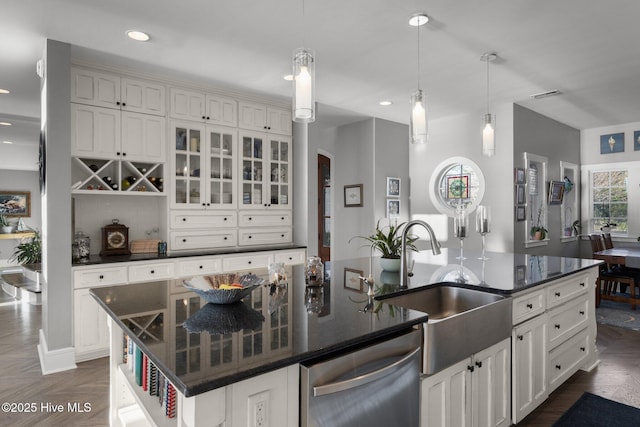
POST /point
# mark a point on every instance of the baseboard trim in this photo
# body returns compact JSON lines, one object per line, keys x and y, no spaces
{"x":52,"y":361}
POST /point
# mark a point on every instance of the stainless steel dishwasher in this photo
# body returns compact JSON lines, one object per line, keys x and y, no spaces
{"x":378,"y":385}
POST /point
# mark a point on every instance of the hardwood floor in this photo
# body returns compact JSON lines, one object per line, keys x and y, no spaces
{"x":617,"y":377}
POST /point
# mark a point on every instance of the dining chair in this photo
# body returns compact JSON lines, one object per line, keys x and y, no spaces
{"x":608,"y":243}
{"x":610,"y":276}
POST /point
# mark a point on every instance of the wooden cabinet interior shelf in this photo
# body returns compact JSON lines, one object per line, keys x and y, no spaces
{"x":18,"y":235}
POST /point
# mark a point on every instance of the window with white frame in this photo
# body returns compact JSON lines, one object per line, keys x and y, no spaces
{"x":611,"y":195}
{"x":609,"y":200}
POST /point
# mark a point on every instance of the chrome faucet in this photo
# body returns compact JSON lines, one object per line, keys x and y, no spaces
{"x":435,"y":248}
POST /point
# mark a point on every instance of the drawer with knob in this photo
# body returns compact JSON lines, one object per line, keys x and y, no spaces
{"x":567,"y":358}
{"x":103,"y":276}
{"x":183,"y":240}
{"x":567,"y":290}
{"x":567,"y":320}
{"x":264,"y":219}
{"x":197,"y":267}
{"x":247,"y":262}
{"x":151,"y":271}
{"x":527,"y":306}
{"x":290,"y":257}
{"x":257,"y":236}
{"x":203,"y":220}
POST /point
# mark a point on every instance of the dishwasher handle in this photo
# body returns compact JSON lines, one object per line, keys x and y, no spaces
{"x":323,"y":390}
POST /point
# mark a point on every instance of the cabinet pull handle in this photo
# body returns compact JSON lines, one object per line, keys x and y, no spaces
{"x":582,"y":284}
{"x":470,"y":368}
{"x":558,"y":294}
{"x":558,"y":367}
{"x":101,"y":276}
{"x":557,"y":326}
{"x":520,"y":337}
{"x":583,"y":349}
{"x":582,"y":312}
{"x":529,"y":306}
{"x":479,"y":364}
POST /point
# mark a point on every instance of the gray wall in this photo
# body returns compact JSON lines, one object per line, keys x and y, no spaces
{"x":538,"y":134}
{"x":14,"y":180}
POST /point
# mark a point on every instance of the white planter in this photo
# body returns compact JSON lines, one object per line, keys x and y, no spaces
{"x":7,"y":229}
{"x":390,"y":264}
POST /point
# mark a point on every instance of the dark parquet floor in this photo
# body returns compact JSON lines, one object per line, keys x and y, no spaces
{"x":617,"y":377}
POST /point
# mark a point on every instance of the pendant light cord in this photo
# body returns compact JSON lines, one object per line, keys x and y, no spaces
{"x":418,"y":57}
{"x":488,"y":84}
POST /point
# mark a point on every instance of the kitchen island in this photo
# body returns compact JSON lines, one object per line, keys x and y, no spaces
{"x":216,"y":373}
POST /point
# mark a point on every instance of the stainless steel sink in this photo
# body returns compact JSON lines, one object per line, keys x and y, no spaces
{"x":461,"y":321}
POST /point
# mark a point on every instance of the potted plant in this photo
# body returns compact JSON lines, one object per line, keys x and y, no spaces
{"x":538,"y":230}
{"x":5,"y":227}
{"x":29,"y":251}
{"x":388,"y":241}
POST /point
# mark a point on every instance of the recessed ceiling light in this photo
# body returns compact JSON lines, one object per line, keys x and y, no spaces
{"x":5,"y":124}
{"x":138,"y":35}
{"x":7,"y":142}
{"x":4,"y":90}
{"x":418,"y":19}
{"x":385,"y":103}
{"x":288,"y":77}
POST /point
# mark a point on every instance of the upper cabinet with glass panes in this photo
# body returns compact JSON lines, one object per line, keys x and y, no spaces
{"x":265,"y":171}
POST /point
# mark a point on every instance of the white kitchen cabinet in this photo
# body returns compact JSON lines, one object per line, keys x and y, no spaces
{"x":95,"y":131}
{"x":530,"y":389}
{"x":90,"y":337}
{"x":473,"y":392}
{"x":202,"y":239}
{"x":265,"y":168}
{"x":198,"y":220}
{"x":264,"y":236}
{"x":145,"y":272}
{"x":264,"y":118}
{"x":196,"y":106}
{"x":143,"y":138}
{"x":112,"y":91}
{"x":203,"y":166}
{"x":567,"y":358}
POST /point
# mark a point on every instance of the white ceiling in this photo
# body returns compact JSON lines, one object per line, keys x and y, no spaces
{"x":366,"y":51}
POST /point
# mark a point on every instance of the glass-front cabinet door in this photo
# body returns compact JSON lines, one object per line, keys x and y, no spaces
{"x":265,"y":169}
{"x":204,"y":166}
{"x":221,"y":149}
{"x":188,"y":187}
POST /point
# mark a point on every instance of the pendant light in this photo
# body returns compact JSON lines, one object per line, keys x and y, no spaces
{"x":304,"y":79}
{"x":418,"y":118}
{"x":488,"y":119}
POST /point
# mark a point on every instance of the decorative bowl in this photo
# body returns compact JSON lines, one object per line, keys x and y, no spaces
{"x":208,"y":287}
{"x":223,"y":319}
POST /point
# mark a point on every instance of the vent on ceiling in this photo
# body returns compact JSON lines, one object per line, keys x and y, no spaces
{"x":545,"y":94}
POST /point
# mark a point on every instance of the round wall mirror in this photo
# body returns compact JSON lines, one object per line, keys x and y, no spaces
{"x":456,"y":184}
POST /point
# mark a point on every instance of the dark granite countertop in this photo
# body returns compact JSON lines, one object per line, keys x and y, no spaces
{"x":300,"y":323}
{"x":153,"y":256}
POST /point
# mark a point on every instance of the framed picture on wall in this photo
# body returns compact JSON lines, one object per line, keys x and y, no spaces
{"x":352,"y":279}
{"x":612,"y":143}
{"x":352,"y":195}
{"x":393,"y":187}
{"x":393,"y":208}
{"x":521,"y":213}
{"x":15,"y":203}
{"x":556,"y":192}
{"x":519,"y":176}
{"x":636,"y":140}
{"x":520,"y":197}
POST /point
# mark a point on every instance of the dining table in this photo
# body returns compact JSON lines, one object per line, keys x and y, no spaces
{"x":628,"y":256}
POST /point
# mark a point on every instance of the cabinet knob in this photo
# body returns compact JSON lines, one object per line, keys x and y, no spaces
{"x":208,"y":118}
{"x":290,"y":258}
{"x":117,"y":102}
{"x":583,"y":349}
{"x":248,"y":262}
{"x":282,"y":235}
{"x":479,"y":364}
{"x":558,"y":367}
{"x":282,"y":218}
{"x":520,"y":337}
{"x":582,"y":284}
{"x":264,"y":127}
{"x":529,"y":306}
{"x":184,"y":240}
{"x":269,"y":127}
{"x":225,"y":237}
{"x":117,"y":153}
{"x":101,"y":276}
{"x":208,"y":204}
{"x":201,"y":267}
{"x":470,"y":368}
{"x":557,"y":326}
{"x":203,"y":117}
{"x":225,"y":218}
{"x":124,"y":154}
{"x":582,"y":312}
{"x":153,"y":272}
{"x":250,"y":237}
{"x":557,"y":294}
{"x":184,"y":219}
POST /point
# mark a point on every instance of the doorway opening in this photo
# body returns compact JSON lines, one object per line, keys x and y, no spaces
{"x":324,"y":210}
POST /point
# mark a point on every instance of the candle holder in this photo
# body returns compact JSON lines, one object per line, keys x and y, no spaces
{"x":277,"y":274}
{"x":461,"y":227}
{"x":483,"y":225}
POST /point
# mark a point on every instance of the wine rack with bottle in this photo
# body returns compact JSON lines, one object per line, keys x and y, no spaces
{"x":116,"y":177}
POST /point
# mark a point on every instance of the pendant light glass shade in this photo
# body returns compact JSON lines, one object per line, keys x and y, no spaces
{"x":488,"y":135}
{"x":304,"y":92}
{"x":418,"y":119}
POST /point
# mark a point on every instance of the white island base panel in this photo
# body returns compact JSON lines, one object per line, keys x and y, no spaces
{"x":273,"y":397}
